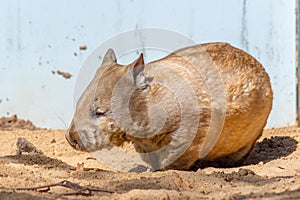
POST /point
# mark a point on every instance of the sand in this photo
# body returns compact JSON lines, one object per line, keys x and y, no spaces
{"x":272,"y":171}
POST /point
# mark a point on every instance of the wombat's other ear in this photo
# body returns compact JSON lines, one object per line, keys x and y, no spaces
{"x":109,"y":57}
{"x":138,"y":76}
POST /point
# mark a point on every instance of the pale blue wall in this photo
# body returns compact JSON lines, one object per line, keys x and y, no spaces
{"x":37,"y":37}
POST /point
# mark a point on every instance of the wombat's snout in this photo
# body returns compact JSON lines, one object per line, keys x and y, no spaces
{"x":73,"y":139}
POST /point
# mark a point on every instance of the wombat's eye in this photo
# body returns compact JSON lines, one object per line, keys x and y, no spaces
{"x":98,"y":113}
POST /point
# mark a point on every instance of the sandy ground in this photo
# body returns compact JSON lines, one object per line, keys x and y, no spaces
{"x":272,"y":171}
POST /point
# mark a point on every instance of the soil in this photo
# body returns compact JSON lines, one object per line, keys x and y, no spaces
{"x":13,"y":122}
{"x":30,"y":158}
{"x":83,"y":47}
{"x":66,"y":75}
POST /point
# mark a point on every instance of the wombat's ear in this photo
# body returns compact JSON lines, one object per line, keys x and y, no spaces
{"x":109,"y":57}
{"x":137,"y":68}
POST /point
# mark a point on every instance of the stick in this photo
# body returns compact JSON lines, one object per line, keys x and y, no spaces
{"x":79,"y":190}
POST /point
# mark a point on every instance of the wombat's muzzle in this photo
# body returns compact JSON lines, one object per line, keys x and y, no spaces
{"x":73,"y":139}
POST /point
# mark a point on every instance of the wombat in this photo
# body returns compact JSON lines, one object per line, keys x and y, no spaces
{"x":204,"y":104}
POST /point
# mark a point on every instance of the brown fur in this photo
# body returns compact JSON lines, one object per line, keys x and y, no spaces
{"x":248,"y":104}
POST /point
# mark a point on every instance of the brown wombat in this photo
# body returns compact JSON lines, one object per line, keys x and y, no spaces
{"x":207,"y":103}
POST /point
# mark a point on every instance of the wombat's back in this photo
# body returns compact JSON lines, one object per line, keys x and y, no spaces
{"x":248,"y":100}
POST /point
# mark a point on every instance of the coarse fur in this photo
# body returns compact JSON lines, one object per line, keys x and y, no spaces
{"x":248,"y":101}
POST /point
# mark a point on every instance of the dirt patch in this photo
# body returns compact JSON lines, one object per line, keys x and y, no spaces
{"x":83,"y":47}
{"x":18,"y":196}
{"x":66,"y":75}
{"x":13,"y":122}
{"x":272,"y":171}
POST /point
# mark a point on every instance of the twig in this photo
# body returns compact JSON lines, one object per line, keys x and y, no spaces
{"x":79,"y":190}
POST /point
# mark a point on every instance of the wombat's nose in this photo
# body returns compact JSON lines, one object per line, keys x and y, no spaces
{"x":71,"y":138}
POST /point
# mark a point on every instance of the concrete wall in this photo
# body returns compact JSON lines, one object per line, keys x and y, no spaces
{"x":37,"y":37}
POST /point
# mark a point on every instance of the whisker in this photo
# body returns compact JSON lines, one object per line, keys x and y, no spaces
{"x":62,"y":121}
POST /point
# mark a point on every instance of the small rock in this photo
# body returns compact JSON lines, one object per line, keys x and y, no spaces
{"x":80,"y":166}
{"x":243,"y":172}
{"x":228,"y":178}
{"x":23,"y":145}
